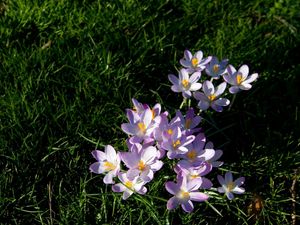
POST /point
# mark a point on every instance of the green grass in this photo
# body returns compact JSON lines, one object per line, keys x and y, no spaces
{"x":70,"y":68}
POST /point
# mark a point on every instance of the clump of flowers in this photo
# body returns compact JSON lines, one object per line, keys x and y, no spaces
{"x":154,"y":137}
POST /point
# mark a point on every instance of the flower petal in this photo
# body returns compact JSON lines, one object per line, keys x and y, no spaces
{"x":208,"y":88}
{"x":198,"y":196}
{"x":171,"y":187}
{"x":187,"y":206}
{"x":172,"y":203}
{"x":174,"y":80}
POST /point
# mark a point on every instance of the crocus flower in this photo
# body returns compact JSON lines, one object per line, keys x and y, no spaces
{"x":216,"y":154}
{"x":230,"y":187}
{"x":184,"y":193}
{"x":185,"y":83}
{"x":176,"y":143}
{"x":142,"y":163}
{"x":211,"y":97}
{"x":195,"y":62}
{"x":193,"y":173}
{"x":189,"y":122}
{"x":129,"y":186}
{"x":140,"y":127}
{"x":108,"y":163}
{"x":216,"y":68}
{"x":239,"y":79}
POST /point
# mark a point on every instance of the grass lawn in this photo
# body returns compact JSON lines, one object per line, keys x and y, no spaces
{"x":69,"y":69}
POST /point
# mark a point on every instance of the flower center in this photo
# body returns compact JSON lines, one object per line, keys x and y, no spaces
{"x":211,"y":97}
{"x":142,"y":127}
{"x":195,"y":62}
{"x":184,"y":195}
{"x":230,"y":186}
{"x":194,"y":176}
{"x":129,"y":184}
{"x":188,"y":123}
{"x":153,"y":113}
{"x":170,"y":131}
{"x":141,"y":165}
{"x":191,"y":154}
{"x":185,"y":83}
{"x":216,"y":68}
{"x":176,"y":143}
{"x":109,"y":166}
{"x":239,"y":79}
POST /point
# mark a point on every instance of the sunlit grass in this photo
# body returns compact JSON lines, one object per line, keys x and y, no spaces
{"x":70,"y":68}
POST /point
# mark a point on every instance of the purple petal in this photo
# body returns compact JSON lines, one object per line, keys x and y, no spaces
{"x":149,"y":154}
{"x":108,"y":178}
{"x":110,"y":153}
{"x":118,"y":188}
{"x":128,"y":128}
{"x":200,"y":96}
{"x":221,"y":180}
{"x":195,"y":77}
{"x":99,"y":155}
{"x":228,"y":177}
{"x":245,"y":86}
{"x":96,"y":168}
{"x":251,"y":78}
{"x":171,"y":187}
{"x":176,"y":88}
{"x":203,"y":105}
{"x":220,"y":89}
{"x":188,"y":55}
{"x":208,"y":88}
{"x":198,"y":196}
{"x":172,"y":203}
{"x":195,"y":86}
{"x":234,"y":89}
{"x":199,"y":55}
{"x":239,"y":181}
{"x":187,"y":206}
{"x":222,"y":102}
{"x":229,"y":195}
{"x":174,"y":80}
{"x":244,"y":70}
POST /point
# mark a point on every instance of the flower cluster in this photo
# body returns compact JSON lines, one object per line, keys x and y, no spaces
{"x":188,"y":79}
{"x":155,"y":138}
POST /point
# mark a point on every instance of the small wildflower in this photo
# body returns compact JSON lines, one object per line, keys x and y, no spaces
{"x":215,"y":68}
{"x":194,"y":63}
{"x":184,"y":83}
{"x":230,"y":187}
{"x":108,"y":162}
{"x":129,"y":186}
{"x":184,"y":193}
{"x":211,"y":97}
{"x":239,"y":79}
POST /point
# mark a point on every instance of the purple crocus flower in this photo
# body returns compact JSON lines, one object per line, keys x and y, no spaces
{"x":239,"y":79}
{"x":211,"y":97}
{"x":192,"y":173}
{"x":129,"y":185}
{"x":230,"y":187}
{"x":140,"y":127}
{"x":142,"y":163}
{"x":189,"y":122}
{"x":184,"y":193}
{"x":215,"y":68}
{"x":194,"y":62}
{"x":184,"y":83}
{"x":176,"y":143}
{"x":108,"y":162}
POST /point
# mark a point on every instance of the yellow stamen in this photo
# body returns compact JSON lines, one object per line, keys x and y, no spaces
{"x":194,"y":176}
{"x":185,"y":83}
{"x":142,"y":127}
{"x":109,"y":166}
{"x":141,"y":165}
{"x":230,"y":186}
{"x":153,"y":113}
{"x":194,"y":62}
{"x":239,"y":78}
{"x":211,"y":97}
{"x":183,"y":195}
{"x":188,"y":123}
{"x":129,"y":184}
{"x":192,"y":154}
{"x":216,"y":68}
{"x":170,"y":131}
{"x":176,"y":143}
